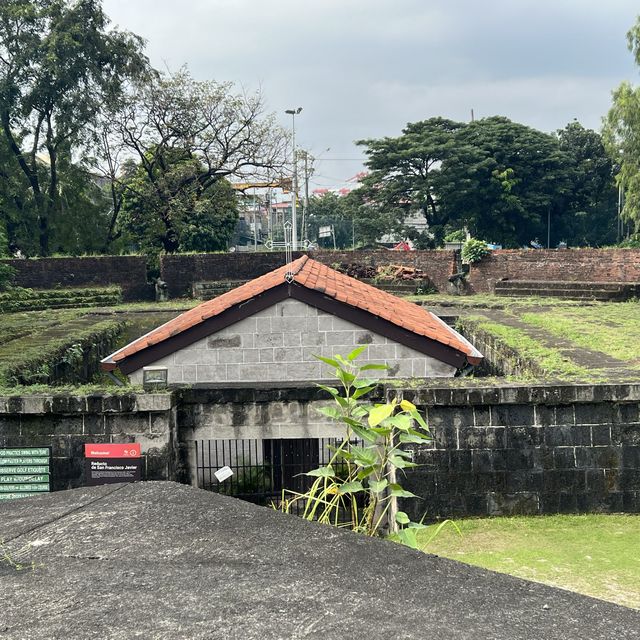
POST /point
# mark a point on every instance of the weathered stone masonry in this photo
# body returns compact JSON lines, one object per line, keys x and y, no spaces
{"x":510,"y":449}
{"x":66,"y":423}
{"x":538,"y":449}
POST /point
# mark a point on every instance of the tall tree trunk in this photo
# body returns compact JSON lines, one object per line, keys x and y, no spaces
{"x":170,"y":239}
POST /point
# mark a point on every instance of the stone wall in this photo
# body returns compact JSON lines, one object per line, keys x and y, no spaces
{"x":572,"y":265}
{"x":496,"y":450}
{"x":180,"y":272}
{"x":537,"y":449}
{"x":128,"y":272}
{"x":66,"y":423}
{"x":279,"y":343}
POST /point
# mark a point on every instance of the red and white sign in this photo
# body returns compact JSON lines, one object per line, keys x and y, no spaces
{"x":112,"y":450}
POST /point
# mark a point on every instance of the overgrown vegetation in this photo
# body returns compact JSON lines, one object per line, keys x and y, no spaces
{"x":19,"y":325}
{"x":551,"y":361}
{"x":474,"y":250}
{"x":613,"y":329}
{"x":594,"y":554}
{"x":363,"y":496}
{"x":20,"y":299}
{"x":48,"y":357}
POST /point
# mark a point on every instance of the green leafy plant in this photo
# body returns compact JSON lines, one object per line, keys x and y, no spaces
{"x":460,"y":235}
{"x":363,"y":497}
{"x":474,"y":250}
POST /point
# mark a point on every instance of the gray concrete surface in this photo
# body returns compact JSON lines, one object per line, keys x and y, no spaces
{"x":161,"y":560}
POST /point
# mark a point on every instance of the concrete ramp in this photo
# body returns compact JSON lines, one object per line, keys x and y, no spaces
{"x":162,"y":560}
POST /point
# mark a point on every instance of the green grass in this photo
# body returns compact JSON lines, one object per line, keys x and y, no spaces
{"x":552,"y":361}
{"x":23,"y":323}
{"x":177,"y":304}
{"x":613,"y":329}
{"x":34,"y":356}
{"x":595,"y":554}
{"x":490,"y":301}
{"x":74,"y":390}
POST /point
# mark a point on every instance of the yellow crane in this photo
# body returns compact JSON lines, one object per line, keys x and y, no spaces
{"x":286,"y":184}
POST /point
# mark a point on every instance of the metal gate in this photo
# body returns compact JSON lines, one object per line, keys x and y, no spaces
{"x":263,"y":469}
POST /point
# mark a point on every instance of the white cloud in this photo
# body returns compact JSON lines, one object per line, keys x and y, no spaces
{"x":364,"y":68}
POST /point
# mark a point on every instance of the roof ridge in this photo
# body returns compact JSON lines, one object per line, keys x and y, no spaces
{"x":303,"y":260}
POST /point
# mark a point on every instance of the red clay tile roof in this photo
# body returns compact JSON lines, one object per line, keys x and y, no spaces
{"x":316,"y":276}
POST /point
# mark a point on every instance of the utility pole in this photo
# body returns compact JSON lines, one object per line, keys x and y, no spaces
{"x":305,"y":202}
{"x":294,"y":222}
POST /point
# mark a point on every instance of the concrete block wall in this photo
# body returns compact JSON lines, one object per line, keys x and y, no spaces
{"x":66,"y":423}
{"x":278,"y":345}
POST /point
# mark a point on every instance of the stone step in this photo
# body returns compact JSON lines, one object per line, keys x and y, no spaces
{"x":210,"y":290}
{"x":602,"y":291}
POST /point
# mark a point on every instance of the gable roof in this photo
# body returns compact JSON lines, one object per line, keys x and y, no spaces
{"x":318,"y":285}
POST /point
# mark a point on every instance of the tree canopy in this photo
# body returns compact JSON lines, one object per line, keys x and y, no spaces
{"x":622,"y":136}
{"x":186,"y":138}
{"x":501,"y":180}
{"x":60,"y":66}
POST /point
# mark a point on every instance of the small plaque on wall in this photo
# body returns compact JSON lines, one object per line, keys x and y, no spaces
{"x":112,"y":463}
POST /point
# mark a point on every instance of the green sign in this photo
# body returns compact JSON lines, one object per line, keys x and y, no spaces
{"x":32,"y":451}
{"x":24,"y":472}
{"x":5,"y":462}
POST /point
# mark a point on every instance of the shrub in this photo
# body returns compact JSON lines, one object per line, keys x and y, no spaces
{"x":474,"y":250}
{"x":364,"y":498}
{"x":456,"y":236}
{"x":7,"y":272}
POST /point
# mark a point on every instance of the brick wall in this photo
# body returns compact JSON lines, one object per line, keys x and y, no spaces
{"x":128,"y":272}
{"x":573,"y":265}
{"x":66,"y":423}
{"x":181,"y":271}
{"x":278,"y":344}
{"x":438,"y":265}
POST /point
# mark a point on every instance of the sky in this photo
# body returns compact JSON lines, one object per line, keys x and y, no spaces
{"x":364,"y":68}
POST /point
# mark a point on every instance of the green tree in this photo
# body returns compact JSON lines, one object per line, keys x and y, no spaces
{"x":404,"y":175}
{"x":172,"y":212}
{"x":60,"y":65}
{"x":505,"y":181}
{"x":621,"y":133}
{"x":6,"y":272}
{"x":325,"y":210}
{"x":186,"y":136}
{"x":500,"y":179}
{"x":592,"y":203}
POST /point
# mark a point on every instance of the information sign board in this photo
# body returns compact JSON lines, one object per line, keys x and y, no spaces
{"x":111,"y":463}
{"x":24,"y":471}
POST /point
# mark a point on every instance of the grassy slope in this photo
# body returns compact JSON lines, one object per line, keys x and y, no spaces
{"x":613,"y":329}
{"x":595,"y":554}
{"x":553,"y":362}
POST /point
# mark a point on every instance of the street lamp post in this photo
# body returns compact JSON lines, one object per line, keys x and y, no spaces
{"x":294,"y":227}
